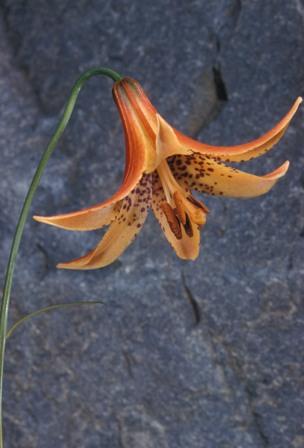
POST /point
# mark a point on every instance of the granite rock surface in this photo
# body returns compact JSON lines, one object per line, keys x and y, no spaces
{"x":204,"y":354}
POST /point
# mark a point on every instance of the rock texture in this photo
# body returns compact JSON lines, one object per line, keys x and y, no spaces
{"x":205,"y":354}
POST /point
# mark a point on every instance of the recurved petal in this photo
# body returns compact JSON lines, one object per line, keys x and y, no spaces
{"x":122,"y":231}
{"x":246,"y":151}
{"x":138,"y":157}
{"x":203,"y":174}
{"x":101,"y":214}
{"x":185,"y":239}
{"x":90,"y":218}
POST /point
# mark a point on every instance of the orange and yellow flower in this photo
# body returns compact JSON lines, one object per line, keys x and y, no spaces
{"x":163,"y":166}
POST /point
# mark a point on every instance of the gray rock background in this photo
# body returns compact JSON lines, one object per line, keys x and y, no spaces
{"x":205,"y":354}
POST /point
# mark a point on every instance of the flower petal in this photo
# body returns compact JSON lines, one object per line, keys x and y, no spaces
{"x":167,"y":143}
{"x":90,"y":218}
{"x":122,"y":231}
{"x":185,"y":240}
{"x":141,"y":103}
{"x":138,"y":151}
{"x":246,"y":151}
{"x":139,"y":135}
{"x":203,"y":174}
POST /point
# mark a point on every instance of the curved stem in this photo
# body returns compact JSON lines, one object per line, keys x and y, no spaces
{"x":25,"y":211}
{"x":47,"y":309}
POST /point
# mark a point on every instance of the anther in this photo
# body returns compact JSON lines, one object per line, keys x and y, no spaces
{"x":198,"y":203}
{"x":188,"y":227}
{"x":172,"y":220}
{"x":180,"y":207}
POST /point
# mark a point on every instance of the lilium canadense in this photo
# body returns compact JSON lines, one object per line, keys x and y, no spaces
{"x":163,"y":166}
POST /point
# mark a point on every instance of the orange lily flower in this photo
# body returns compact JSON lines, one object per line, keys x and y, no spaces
{"x":163,"y":166}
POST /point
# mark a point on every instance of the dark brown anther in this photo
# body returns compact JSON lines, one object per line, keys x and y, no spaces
{"x":172,"y":220}
{"x":188,"y":227}
{"x":198,"y":204}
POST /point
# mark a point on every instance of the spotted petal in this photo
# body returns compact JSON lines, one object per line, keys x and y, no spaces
{"x":246,"y":151}
{"x":122,"y":231}
{"x":137,"y":159}
{"x":204,"y":174}
{"x":185,"y":240}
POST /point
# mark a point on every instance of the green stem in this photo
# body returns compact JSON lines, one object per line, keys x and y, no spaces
{"x":47,"y":309}
{"x":25,"y":211}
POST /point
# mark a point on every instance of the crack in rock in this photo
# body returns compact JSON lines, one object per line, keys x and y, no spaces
{"x":220,"y":85}
{"x":237,"y":369}
{"x":209,"y":101}
{"x":192,"y":300}
{"x":256,"y":417}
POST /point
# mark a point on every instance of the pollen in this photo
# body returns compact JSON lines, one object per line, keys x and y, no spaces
{"x":172,"y":220}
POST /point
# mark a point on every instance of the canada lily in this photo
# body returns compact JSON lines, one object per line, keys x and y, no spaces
{"x":162,"y":167}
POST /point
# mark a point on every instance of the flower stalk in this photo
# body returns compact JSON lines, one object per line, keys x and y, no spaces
{"x":25,"y":211}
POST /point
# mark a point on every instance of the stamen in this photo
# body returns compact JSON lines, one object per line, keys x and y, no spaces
{"x":172,"y":220}
{"x":167,"y":180}
{"x":198,"y":216}
{"x":180,"y":201}
{"x":188,"y":205}
{"x":198,"y":203}
{"x":188,"y":227}
{"x":180,"y":208}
